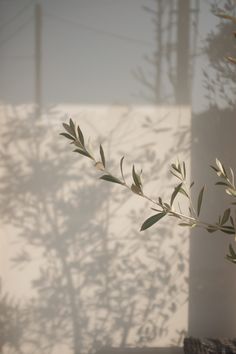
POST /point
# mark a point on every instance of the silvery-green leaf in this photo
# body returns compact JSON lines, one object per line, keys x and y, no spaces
{"x":231,"y":191}
{"x":68,"y":136}
{"x":184,"y":170}
{"x":136,"y":189}
{"x":69,"y":129}
{"x":136,"y":178}
{"x":221,"y":184}
{"x":174,"y":194}
{"x":102,"y":156}
{"x":228,"y":230}
{"x":121,"y":167}
{"x":152,"y":220}
{"x":78,"y":144}
{"x":225,"y":216}
{"x":199,"y":202}
{"x":211,"y":228}
{"x":83,"y":152}
{"x":183,"y":191}
{"x":110,"y":178}
{"x":80,"y":135}
{"x":231,"y":251}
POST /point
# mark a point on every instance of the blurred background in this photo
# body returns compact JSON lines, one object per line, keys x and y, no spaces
{"x":148,"y":79}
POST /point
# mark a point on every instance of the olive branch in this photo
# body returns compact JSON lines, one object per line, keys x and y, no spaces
{"x":226,"y":223}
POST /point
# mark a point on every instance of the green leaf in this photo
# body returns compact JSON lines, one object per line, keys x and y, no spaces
{"x":225,"y":216}
{"x":174,"y":194}
{"x":72,"y":125}
{"x":231,"y":251}
{"x":199,"y":202}
{"x":110,"y":178}
{"x":184,"y":170}
{"x":211,"y":228}
{"x":121,"y":167}
{"x":214,"y":168}
{"x":152,"y":220}
{"x":68,"y":136}
{"x":136,"y":178}
{"x":221,"y":184}
{"x":175,"y":174}
{"x":69,"y":129}
{"x":232,"y":221}
{"x":175,"y":167}
{"x":231,"y":191}
{"x":83,"y":152}
{"x":183,"y":191}
{"x":80,"y":134}
{"x":102,"y":156}
{"x":228,"y":230}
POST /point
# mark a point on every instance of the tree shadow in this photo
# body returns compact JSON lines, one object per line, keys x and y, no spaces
{"x":87,"y":285}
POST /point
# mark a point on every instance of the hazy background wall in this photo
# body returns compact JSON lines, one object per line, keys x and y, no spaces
{"x":147,"y":79}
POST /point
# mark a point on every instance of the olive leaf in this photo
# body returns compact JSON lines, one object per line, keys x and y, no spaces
{"x":80,"y":134}
{"x":121,"y":167}
{"x":152,"y":220}
{"x":68,"y":136}
{"x":102,"y":156}
{"x":83,"y":152}
{"x":174,"y":194}
{"x":225,"y":216}
{"x":136,"y":178}
{"x":199,"y":202}
{"x":70,"y":129}
{"x":110,"y":178}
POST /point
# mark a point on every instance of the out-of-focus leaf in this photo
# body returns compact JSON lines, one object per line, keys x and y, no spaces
{"x":199,"y":202}
{"x":110,"y":178}
{"x":226,"y":16}
{"x":102,"y":156}
{"x":231,"y":60}
{"x":152,"y":220}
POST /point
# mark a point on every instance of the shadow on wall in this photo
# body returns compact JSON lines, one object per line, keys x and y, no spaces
{"x":212,"y":310}
{"x":88,"y":282}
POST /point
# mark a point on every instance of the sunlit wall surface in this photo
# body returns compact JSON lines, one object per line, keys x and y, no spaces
{"x":147,"y":80}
